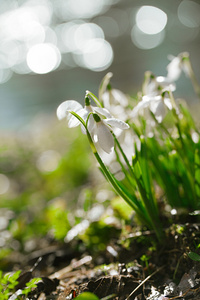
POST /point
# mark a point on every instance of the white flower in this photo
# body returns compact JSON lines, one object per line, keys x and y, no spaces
{"x":64,"y":111}
{"x":177,"y":65}
{"x":156,"y":85}
{"x":93,"y":109}
{"x":157,"y":104}
{"x":114,"y":97}
{"x":159,"y":108}
{"x":101,"y":132}
{"x":116,"y":101}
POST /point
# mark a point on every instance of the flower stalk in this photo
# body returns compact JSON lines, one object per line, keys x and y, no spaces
{"x":161,"y":147}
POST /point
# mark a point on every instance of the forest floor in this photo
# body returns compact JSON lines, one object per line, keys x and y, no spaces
{"x":133,"y":266}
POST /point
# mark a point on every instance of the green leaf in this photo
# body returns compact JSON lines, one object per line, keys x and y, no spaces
{"x":87,"y":296}
{"x":194,"y":256}
{"x":197,"y":172}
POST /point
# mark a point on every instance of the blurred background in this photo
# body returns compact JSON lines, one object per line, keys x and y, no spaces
{"x":54,"y":50}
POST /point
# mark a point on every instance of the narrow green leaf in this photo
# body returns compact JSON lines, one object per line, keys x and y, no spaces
{"x":197,"y":172}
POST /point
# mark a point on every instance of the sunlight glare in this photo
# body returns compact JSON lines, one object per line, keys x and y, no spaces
{"x":151,"y":20}
{"x":97,"y":55}
{"x":76,"y":9}
{"x":146,"y":41}
{"x":85,"y":33}
{"x":43,"y":58}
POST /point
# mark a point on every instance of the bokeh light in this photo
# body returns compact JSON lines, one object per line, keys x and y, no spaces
{"x":48,"y":161}
{"x":40,"y":36}
{"x":151,"y":20}
{"x":43,"y":58}
{"x":75,"y":35}
{"x":4,"y":184}
{"x":97,"y":55}
{"x":73,"y":9}
{"x":189,"y":13}
{"x":146,"y":41}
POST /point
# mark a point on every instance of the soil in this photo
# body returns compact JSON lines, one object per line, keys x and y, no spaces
{"x":133,"y":266}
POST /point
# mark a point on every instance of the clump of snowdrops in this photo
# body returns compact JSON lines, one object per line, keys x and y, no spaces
{"x":144,"y":143}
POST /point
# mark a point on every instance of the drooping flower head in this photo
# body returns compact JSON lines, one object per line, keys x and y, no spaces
{"x":66,"y":108}
{"x":157,"y":104}
{"x":113,"y":99}
{"x":177,"y":65}
{"x":96,"y":120}
{"x":156,"y":85}
{"x":101,"y":132}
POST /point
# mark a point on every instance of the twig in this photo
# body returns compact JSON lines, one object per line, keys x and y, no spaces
{"x":60,"y":274}
{"x":146,"y":279}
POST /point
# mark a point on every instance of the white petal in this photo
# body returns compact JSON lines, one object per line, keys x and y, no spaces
{"x":106,"y":99}
{"x":174,"y":69}
{"x":168,"y":103}
{"x":105,"y":137}
{"x":114,"y":97}
{"x":146,"y":100}
{"x":150,"y":88}
{"x":66,"y":106}
{"x":72,"y":121}
{"x":159,"y":110}
{"x":83,"y":113}
{"x":116,"y":123}
{"x":91,"y":123}
{"x":101,"y":111}
{"x":166,"y":83}
{"x":119,"y":97}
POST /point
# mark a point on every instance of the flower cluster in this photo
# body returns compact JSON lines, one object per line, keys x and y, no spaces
{"x":127,"y":132}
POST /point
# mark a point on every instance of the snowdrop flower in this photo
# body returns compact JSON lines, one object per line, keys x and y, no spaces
{"x":64,"y":111}
{"x":177,"y":65}
{"x":101,"y":132}
{"x":156,"y":85}
{"x":116,"y":101}
{"x":113,"y":99}
{"x":157,"y":104}
{"x":102,"y":112}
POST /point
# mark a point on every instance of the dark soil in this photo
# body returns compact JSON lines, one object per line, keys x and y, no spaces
{"x":133,"y":266}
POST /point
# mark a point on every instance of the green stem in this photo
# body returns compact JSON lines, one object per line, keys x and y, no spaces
{"x":94,"y":98}
{"x":148,"y":202}
{"x":116,"y":186}
{"x":124,"y":156}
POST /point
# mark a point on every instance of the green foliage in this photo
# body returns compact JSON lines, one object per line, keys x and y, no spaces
{"x":8,"y":283}
{"x":194,"y":256}
{"x":44,"y":176}
{"x":30,"y":286}
{"x":57,"y":219}
{"x":87,"y":296}
{"x":166,"y":139}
